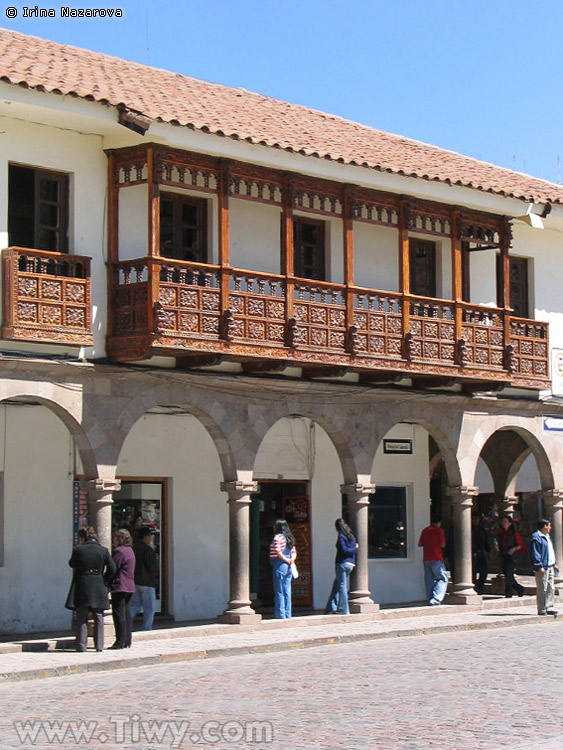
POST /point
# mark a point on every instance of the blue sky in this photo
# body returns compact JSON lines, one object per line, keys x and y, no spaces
{"x":481,"y":78}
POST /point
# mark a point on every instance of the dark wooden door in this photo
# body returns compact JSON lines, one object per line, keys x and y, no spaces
{"x":518,"y":286}
{"x":422,"y":267}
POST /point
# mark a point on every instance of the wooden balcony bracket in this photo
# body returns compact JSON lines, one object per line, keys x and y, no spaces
{"x":199,"y":360}
{"x":324,"y":371}
{"x":461,"y":352}
{"x":227,"y":326}
{"x":290,"y":333}
{"x":423,"y":383}
{"x":382,"y":377}
{"x":264,"y":366}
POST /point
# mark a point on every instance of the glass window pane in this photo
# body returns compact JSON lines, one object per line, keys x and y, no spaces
{"x":48,"y":189}
{"x":189,"y":214}
{"x":48,"y":215}
{"x":48,"y":240}
{"x":387,"y":523}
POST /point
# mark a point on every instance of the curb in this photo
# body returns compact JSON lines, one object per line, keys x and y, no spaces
{"x":211,"y":653}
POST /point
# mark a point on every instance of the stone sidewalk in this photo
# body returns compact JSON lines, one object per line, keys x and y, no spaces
{"x":54,"y":656}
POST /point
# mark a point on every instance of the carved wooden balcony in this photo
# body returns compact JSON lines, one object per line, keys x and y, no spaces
{"x":179,"y":309}
{"x":46,"y":297}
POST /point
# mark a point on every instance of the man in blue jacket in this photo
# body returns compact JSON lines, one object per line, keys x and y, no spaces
{"x":542,"y":558}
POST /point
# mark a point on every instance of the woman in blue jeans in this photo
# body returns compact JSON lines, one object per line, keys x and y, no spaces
{"x":346,"y":549}
{"x":282,"y":554}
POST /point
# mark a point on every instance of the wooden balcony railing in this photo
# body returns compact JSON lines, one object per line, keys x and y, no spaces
{"x":46,"y":297}
{"x":178,"y":308}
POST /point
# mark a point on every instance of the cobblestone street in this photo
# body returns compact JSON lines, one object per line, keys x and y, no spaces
{"x":457,"y":691}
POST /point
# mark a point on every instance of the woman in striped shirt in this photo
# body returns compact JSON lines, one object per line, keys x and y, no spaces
{"x":282,"y":554}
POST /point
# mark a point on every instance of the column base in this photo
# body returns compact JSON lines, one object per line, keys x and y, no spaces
{"x":363,"y":606}
{"x":243,"y":616}
{"x":464,"y":597}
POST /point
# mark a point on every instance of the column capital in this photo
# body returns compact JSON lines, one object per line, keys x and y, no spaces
{"x":553,"y":498}
{"x":358,"y":492}
{"x":239,"y":491}
{"x":463,"y":494}
{"x":100,"y":490}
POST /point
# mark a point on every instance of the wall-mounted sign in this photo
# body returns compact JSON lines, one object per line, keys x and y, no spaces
{"x":397,"y":446}
{"x":552,"y":423}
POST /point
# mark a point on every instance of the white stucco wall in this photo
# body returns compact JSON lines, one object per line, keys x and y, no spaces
{"x":376,"y":257}
{"x":38,"y":520}
{"x":254,"y":236}
{"x":402,"y":579}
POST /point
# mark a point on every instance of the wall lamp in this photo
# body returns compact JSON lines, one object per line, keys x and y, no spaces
{"x":534,"y":220}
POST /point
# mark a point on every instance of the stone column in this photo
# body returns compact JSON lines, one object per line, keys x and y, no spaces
{"x":239,"y":610}
{"x":100,"y":499}
{"x":462,"y":501}
{"x":358,"y":504}
{"x":553,"y":503}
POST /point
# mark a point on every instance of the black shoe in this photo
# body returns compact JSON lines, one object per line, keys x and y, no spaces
{"x":117,"y":645}
{"x":521,"y":592}
{"x":551,"y":612}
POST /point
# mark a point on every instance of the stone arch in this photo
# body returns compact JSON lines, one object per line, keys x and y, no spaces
{"x":445,"y":435}
{"x":519,"y":438}
{"x":207,"y":411}
{"x":338,"y":438}
{"x":66,"y":412}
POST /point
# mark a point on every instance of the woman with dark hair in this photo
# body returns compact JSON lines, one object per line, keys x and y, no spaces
{"x":282,"y":555}
{"x":122,"y":587}
{"x":346,"y":548}
{"x":510,"y":543}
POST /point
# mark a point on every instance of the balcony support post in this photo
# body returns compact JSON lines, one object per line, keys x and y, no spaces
{"x":153,"y":240}
{"x":504,"y":280}
{"x":404,"y":273}
{"x":348,"y":275}
{"x":288,"y":242}
{"x":223,"y":234}
{"x":457,"y":281}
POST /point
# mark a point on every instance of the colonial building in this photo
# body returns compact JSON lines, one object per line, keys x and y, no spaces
{"x":219,"y":309}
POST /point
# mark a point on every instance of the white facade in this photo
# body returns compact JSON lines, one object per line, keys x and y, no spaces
{"x":194,"y":432}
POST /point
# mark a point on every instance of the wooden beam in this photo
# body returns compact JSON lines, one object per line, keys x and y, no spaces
{"x":288,"y":244}
{"x":324,"y":371}
{"x":198,"y":360}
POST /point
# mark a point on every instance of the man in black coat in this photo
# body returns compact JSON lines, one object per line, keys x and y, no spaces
{"x":92,"y":565}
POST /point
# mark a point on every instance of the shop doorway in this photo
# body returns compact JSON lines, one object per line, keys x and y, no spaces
{"x":142,"y":503}
{"x":288,"y":501}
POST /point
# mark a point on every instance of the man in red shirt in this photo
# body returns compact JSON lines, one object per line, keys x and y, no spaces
{"x":433,"y":540}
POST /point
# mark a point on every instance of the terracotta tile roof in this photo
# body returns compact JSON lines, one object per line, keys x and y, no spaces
{"x":236,"y":113}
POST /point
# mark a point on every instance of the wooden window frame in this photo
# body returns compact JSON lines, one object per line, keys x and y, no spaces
{"x":513,"y":260}
{"x":431,"y":244}
{"x":178,"y":200}
{"x":62,"y":204}
{"x":319,"y":270}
